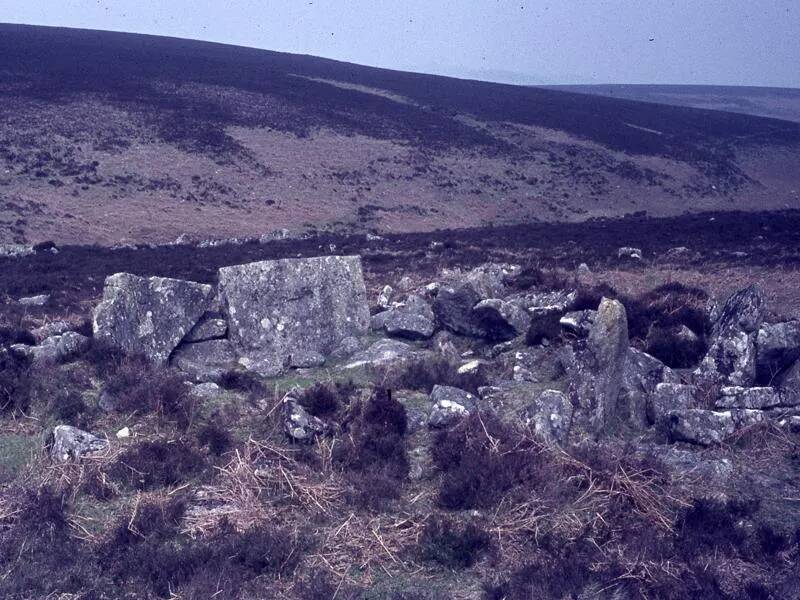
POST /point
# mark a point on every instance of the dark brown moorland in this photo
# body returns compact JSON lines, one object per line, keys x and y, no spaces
{"x":112,"y":137}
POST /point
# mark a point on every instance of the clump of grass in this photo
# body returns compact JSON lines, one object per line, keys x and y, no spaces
{"x":156,"y":464}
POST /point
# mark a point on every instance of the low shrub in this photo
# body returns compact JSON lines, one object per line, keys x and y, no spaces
{"x":157,"y":464}
{"x":711,"y":525}
{"x":325,"y":399}
{"x":216,"y":438}
{"x":14,"y":383}
{"x":423,"y":373}
{"x":481,"y":459}
{"x":453,"y":546}
{"x":589,"y":297}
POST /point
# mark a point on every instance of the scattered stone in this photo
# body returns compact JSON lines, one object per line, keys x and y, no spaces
{"x":39,"y":300}
{"x":71,"y":444}
{"x":707,"y":427}
{"x":412,"y":319}
{"x":50,"y":329}
{"x":383,"y":353}
{"x":446,"y":413}
{"x":148,"y":316}
{"x":277,"y":307}
{"x":501,"y":320}
{"x":123,"y":433}
{"x":579,"y":322}
{"x":669,"y":397}
{"x":446,"y":393}
{"x":777,"y":348}
{"x":740,"y":397}
{"x":627,"y":253}
{"x":209,"y":327}
{"x":297,"y":423}
{"x":385,"y":297}
{"x":551,"y":416}
{"x":306,"y":360}
{"x":453,"y":309}
{"x":206,"y":391}
{"x":207,"y":361}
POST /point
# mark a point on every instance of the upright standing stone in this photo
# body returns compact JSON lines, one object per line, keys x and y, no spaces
{"x":277,"y":308}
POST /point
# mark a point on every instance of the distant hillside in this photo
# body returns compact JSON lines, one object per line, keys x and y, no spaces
{"x":110,"y":137}
{"x":775,"y":103}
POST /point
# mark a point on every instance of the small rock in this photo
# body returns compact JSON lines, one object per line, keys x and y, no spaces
{"x":381,"y":353}
{"x":551,"y":416}
{"x":628,"y":253}
{"x":39,"y":300}
{"x":446,"y":413}
{"x":205,"y":391}
{"x":777,"y":348}
{"x":298,"y":424}
{"x":306,"y":360}
{"x":385,"y":297}
{"x":71,"y":443}
{"x":579,"y":322}
{"x":668,"y":397}
{"x":50,"y":329}
{"x":501,"y":320}
{"x":123,"y":433}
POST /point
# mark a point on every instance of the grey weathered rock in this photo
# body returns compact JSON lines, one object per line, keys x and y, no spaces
{"x":489,"y":280}
{"x":71,"y":443}
{"x":730,"y":360}
{"x":306,"y":360}
{"x":209,"y":327}
{"x":39,"y":300}
{"x":385,"y":297}
{"x":297,"y":423}
{"x":578,"y":322}
{"x":50,"y":329}
{"x":448,"y":345}
{"x":446,"y":413}
{"x":412,"y":319}
{"x":740,"y":397}
{"x":277,"y":307}
{"x":551,"y":416}
{"x":669,"y":397}
{"x":148,"y":316}
{"x":627,"y":253}
{"x":545,"y":324}
{"x":510,"y":399}
{"x":206,"y":391}
{"x":777,"y":348}
{"x":742,"y":312}
{"x":453,"y":309}
{"x":383,"y":353}
{"x":583,"y":272}
{"x":206,"y":361}
{"x":707,"y":427}
{"x":641,"y":375}
{"x":604,"y":363}
{"x":55,"y":349}
{"x":347,"y":347}
{"x":453,"y":394}
{"x":501,"y":320}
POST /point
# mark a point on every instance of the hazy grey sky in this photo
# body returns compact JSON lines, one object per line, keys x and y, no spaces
{"x":737,"y":42}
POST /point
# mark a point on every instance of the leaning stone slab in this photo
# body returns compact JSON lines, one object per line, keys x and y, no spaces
{"x":71,"y":443}
{"x":148,"y":316}
{"x":277,"y":307}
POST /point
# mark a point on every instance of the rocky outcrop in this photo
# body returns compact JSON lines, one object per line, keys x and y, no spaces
{"x":755,"y":398}
{"x":453,"y":310}
{"x":383,"y":353}
{"x":277,"y":307}
{"x":669,"y":397}
{"x":71,"y":444}
{"x":148,"y":316}
{"x":641,"y":375}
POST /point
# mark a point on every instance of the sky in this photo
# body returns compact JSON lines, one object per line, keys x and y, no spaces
{"x":712,"y":42}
